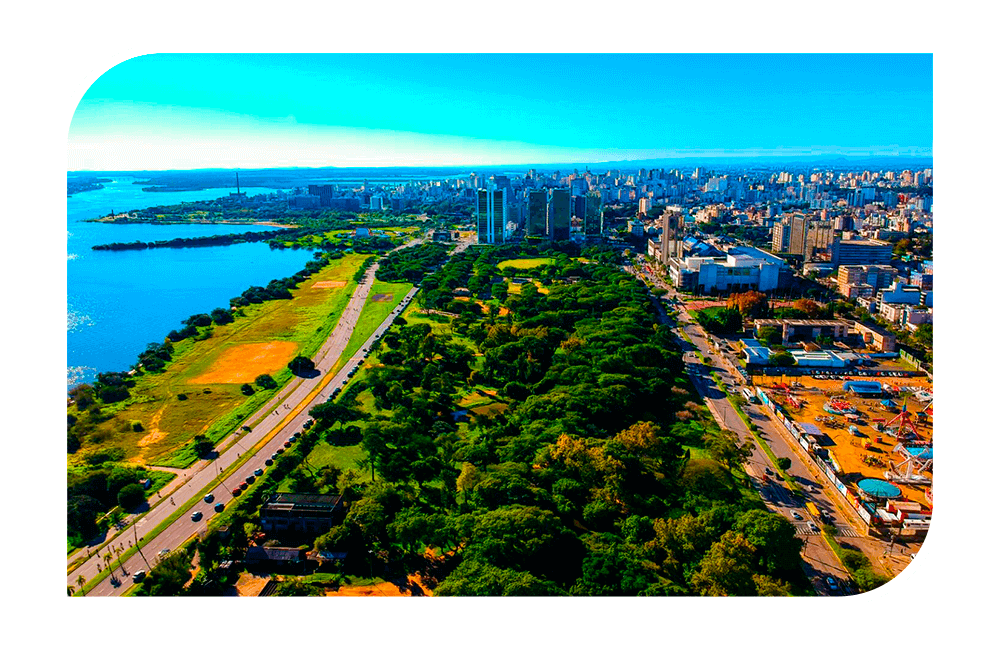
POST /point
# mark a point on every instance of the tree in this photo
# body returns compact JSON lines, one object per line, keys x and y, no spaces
{"x":784,"y":463}
{"x":222,"y":316}
{"x":769,"y":335}
{"x":782,"y":358}
{"x":751,"y":304}
{"x":202,"y":446}
{"x":297,"y":587}
{"x":130,"y":496}
{"x":302,"y":366}
{"x":80,"y":581}
{"x":773,"y":538}
{"x":477,"y":578}
{"x":247,"y":389}
{"x":727,"y":568}
{"x":808,"y":307}
{"x":265,"y":382}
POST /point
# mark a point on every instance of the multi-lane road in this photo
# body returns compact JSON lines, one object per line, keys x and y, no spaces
{"x":819,"y":560}
{"x":275,"y":423}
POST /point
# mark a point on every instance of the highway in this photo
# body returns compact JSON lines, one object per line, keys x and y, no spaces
{"x":818,"y":559}
{"x":279,"y":419}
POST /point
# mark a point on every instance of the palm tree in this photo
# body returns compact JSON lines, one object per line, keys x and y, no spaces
{"x":107,"y":560}
{"x":80,"y":581}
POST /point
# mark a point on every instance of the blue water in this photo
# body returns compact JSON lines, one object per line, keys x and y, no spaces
{"x":120,"y":301}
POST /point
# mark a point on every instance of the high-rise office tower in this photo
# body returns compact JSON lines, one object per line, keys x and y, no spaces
{"x":536,"y":213}
{"x":491,"y":216}
{"x":557,"y":214}
{"x":593,"y":218}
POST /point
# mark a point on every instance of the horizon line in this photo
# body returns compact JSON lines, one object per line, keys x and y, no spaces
{"x":713,"y":157}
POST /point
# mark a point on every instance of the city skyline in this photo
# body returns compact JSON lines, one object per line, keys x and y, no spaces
{"x":160,"y":112}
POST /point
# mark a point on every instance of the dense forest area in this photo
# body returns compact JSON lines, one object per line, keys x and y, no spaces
{"x":192,"y":242}
{"x":412,"y":263}
{"x":599,"y":474}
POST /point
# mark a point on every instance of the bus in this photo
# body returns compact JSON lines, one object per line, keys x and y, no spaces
{"x":813,"y":510}
{"x":750,"y":395}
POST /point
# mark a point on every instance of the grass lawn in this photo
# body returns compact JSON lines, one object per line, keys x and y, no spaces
{"x":323,"y":454}
{"x":372,"y":315}
{"x":526,"y":263}
{"x":166,"y":423}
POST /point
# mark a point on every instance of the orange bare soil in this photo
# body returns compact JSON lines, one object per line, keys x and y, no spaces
{"x":328,"y":284}
{"x":848,"y":449}
{"x":242,"y":364}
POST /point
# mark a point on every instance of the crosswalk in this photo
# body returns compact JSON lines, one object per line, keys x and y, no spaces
{"x":842,"y":531}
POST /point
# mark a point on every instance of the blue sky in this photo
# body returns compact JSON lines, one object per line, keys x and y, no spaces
{"x":195,"y":111}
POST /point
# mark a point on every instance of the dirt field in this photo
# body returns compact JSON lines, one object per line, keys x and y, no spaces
{"x":244,"y":363}
{"x":847,"y":448}
{"x":382,"y":297}
{"x":328,"y":284}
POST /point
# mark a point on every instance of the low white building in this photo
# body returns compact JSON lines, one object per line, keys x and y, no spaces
{"x":741,"y":269}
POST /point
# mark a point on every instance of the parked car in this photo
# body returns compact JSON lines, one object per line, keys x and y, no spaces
{"x":139,"y":576}
{"x":243,"y":485}
{"x":196,"y":516}
{"x":220,"y":506}
{"x":288,"y":443}
{"x":209,"y":498}
{"x":274,"y":456}
{"x":269,"y":462}
{"x":258,"y":472}
{"x":832,"y":584}
{"x":236,"y":492}
{"x":250,"y":479}
{"x":796,"y":516}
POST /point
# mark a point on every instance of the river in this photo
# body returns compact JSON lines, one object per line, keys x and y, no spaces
{"x":119,"y":301}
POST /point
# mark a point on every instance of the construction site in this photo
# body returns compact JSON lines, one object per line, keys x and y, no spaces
{"x":875,"y":436}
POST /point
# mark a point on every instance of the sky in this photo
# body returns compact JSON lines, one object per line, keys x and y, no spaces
{"x":190,"y":111}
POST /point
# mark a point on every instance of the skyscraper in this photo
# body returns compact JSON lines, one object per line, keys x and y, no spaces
{"x":536,"y":213}
{"x":593,"y":218}
{"x":557,"y":215}
{"x":491,"y":216}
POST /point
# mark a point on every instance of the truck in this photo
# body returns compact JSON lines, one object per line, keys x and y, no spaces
{"x":750,"y":396}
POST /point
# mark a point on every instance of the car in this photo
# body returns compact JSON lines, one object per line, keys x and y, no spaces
{"x":269,"y":462}
{"x":236,"y":492}
{"x":250,"y":479}
{"x":832,"y":584}
{"x":280,"y":450}
{"x":164,"y":553}
{"x":813,"y":527}
{"x":139,"y":576}
{"x":288,"y":443}
{"x":796,"y":516}
{"x":209,"y":498}
{"x":220,"y":506}
{"x":767,"y":470}
{"x":274,"y":456}
{"x":258,"y":472}
{"x":196,"y":515}
{"x":243,"y":485}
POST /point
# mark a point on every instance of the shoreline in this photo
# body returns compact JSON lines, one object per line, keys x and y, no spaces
{"x":124,"y":221}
